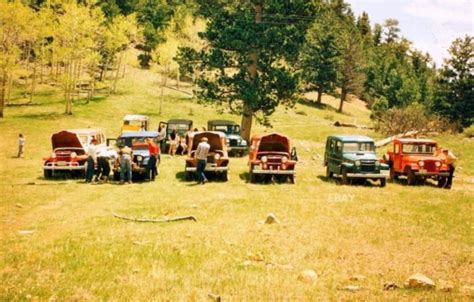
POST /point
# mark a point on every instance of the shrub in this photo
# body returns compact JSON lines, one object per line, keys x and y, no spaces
{"x":469,"y":132}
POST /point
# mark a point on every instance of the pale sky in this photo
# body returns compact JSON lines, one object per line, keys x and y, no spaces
{"x":431,"y":25}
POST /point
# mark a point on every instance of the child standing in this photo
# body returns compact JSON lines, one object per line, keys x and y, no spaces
{"x":21,"y":145}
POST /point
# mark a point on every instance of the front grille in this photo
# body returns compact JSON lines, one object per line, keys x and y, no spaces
{"x":233,"y":143}
{"x":430,"y":166}
{"x":367,"y":166}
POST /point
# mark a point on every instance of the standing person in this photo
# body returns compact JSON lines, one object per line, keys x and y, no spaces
{"x":450,"y":161}
{"x":183,"y":145}
{"x":91,"y":160}
{"x":125,"y":164}
{"x":173,"y":139}
{"x":201,"y":155}
{"x":21,"y":145}
{"x":154,"y":153}
{"x":162,"y":137}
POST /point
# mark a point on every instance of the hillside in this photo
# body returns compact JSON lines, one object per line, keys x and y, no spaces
{"x":78,"y":251}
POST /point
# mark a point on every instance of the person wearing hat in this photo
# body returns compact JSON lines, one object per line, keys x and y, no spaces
{"x":91,"y":160}
{"x":201,"y":155}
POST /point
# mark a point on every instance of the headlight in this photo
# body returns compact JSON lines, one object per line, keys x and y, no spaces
{"x":53,"y":155}
{"x":357,"y":163}
{"x":73,"y":155}
{"x":438,"y":164}
{"x":421,"y":163}
{"x":139,"y":158}
{"x":264,"y":159}
{"x":284,"y":159}
{"x":377,"y":163}
{"x":217,"y":156}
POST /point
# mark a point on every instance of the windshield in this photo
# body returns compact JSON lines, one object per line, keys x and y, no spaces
{"x":227,"y":129}
{"x":84,"y":139}
{"x":358,"y":147}
{"x":134,"y":141}
{"x":418,"y":148}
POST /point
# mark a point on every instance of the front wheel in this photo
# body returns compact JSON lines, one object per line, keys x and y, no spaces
{"x":383,"y":182}
{"x":47,"y":174}
{"x":442,"y":182}
{"x":345,"y":179}
{"x":292,"y":178}
{"x":411,"y":178}
{"x":329,"y":174}
{"x":225,"y":176}
{"x":393,"y":174}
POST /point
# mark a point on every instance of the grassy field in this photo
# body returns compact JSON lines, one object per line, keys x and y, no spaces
{"x":78,"y":251}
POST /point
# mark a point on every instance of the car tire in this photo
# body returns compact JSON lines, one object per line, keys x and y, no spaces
{"x":292,"y":179}
{"x":383,"y":182}
{"x":345,"y":180}
{"x":393,"y":175}
{"x":442,"y":182}
{"x":47,"y":174}
{"x":252,"y":176}
{"x":225,"y":176}
{"x":329,"y":174}
{"x":411,"y":177}
{"x":116,"y":176}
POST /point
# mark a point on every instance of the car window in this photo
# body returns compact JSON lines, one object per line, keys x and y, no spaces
{"x":397,"y":149}
{"x":221,"y":128}
{"x":331,"y":145}
{"x":418,"y":148}
{"x":359,"y":147}
{"x":84,"y":139}
{"x":338,"y":147}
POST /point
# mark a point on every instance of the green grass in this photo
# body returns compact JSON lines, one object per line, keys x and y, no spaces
{"x":79,"y":251}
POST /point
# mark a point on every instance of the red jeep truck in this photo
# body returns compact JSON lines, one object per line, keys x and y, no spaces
{"x":416,"y":159}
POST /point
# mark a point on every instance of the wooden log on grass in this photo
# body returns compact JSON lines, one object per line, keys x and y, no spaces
{"x":180,"y":218}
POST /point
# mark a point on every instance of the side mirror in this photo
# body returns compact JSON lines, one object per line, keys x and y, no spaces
{"x":293,"y":154}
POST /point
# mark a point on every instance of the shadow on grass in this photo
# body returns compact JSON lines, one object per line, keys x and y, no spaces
{"x":354,"y":182}
{"x":93,"y":100}
{"x":264,"y":179}
{"x":321,"y":106}
{"x":42,"y":116}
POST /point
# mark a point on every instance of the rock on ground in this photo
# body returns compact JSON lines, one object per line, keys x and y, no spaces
{"x":308,"y":276}
{"x":271,"y":219}
{"x":419,"y":281}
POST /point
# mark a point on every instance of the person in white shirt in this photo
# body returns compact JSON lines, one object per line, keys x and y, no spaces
{"x":91,"y":160}
{"x":21,"y":145}
{"x":201,"y":156}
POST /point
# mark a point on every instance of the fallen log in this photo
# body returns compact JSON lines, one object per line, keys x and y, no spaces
{"x":349,"y":125}
{"x":191,"y":217}
{"x":388,"y":140}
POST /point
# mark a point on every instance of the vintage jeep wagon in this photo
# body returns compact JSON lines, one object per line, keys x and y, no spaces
{"x":182,"y":126}
{"x":235,"y":143}
{"x":271,"y":155}
{"x":135,"y":122}
{"x":353,"y":157}
{"x":69,"y":151}
{"x":140,"y":154}
{"x":217,"y":159}
{"x":416,"y":159}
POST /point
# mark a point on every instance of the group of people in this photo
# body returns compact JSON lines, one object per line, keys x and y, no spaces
{"x":450,"y":159}
{"x":176,"y":141}
{"x":123,"y":158}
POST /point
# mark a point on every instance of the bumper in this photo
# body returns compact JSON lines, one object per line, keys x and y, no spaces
{"x":430,"y":174}
{"x":274,"y":172}
{"x":67,"y":167}
{"x":367,"y":175}
{"x":208,"y":169}
{"x":236,"y":148}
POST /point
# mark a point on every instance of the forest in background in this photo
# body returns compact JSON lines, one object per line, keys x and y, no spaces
{"x":247,"y":56}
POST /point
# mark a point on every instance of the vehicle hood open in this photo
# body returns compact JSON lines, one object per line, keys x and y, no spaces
{"x":65,"y":139}
{"x":274,"y":143}
{"x":214,"y":140}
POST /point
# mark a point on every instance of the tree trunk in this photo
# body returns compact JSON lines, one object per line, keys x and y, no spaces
{"x":2,"y":92}
{"x":163,"y":84}
{"x":247,"y":115}
{"x":10,"y":85}
{"x":33,"y":81}
{"x":320,"y":95}
{"x":119,"y":63}
{"x":343,"y":99}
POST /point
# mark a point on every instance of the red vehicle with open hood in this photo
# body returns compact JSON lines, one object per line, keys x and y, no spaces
{"x":217,"y":159}
{"x":271,"y":155}
{"x":69,"y":150}
{"x":417,"y":159}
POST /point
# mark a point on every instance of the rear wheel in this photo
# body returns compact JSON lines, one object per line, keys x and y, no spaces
{"x":411,"y":178}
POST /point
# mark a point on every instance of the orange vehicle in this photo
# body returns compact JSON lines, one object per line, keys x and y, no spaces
{"x":217,"y":159}
{"x":417,"y":160}
{"x":270,"y":156}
